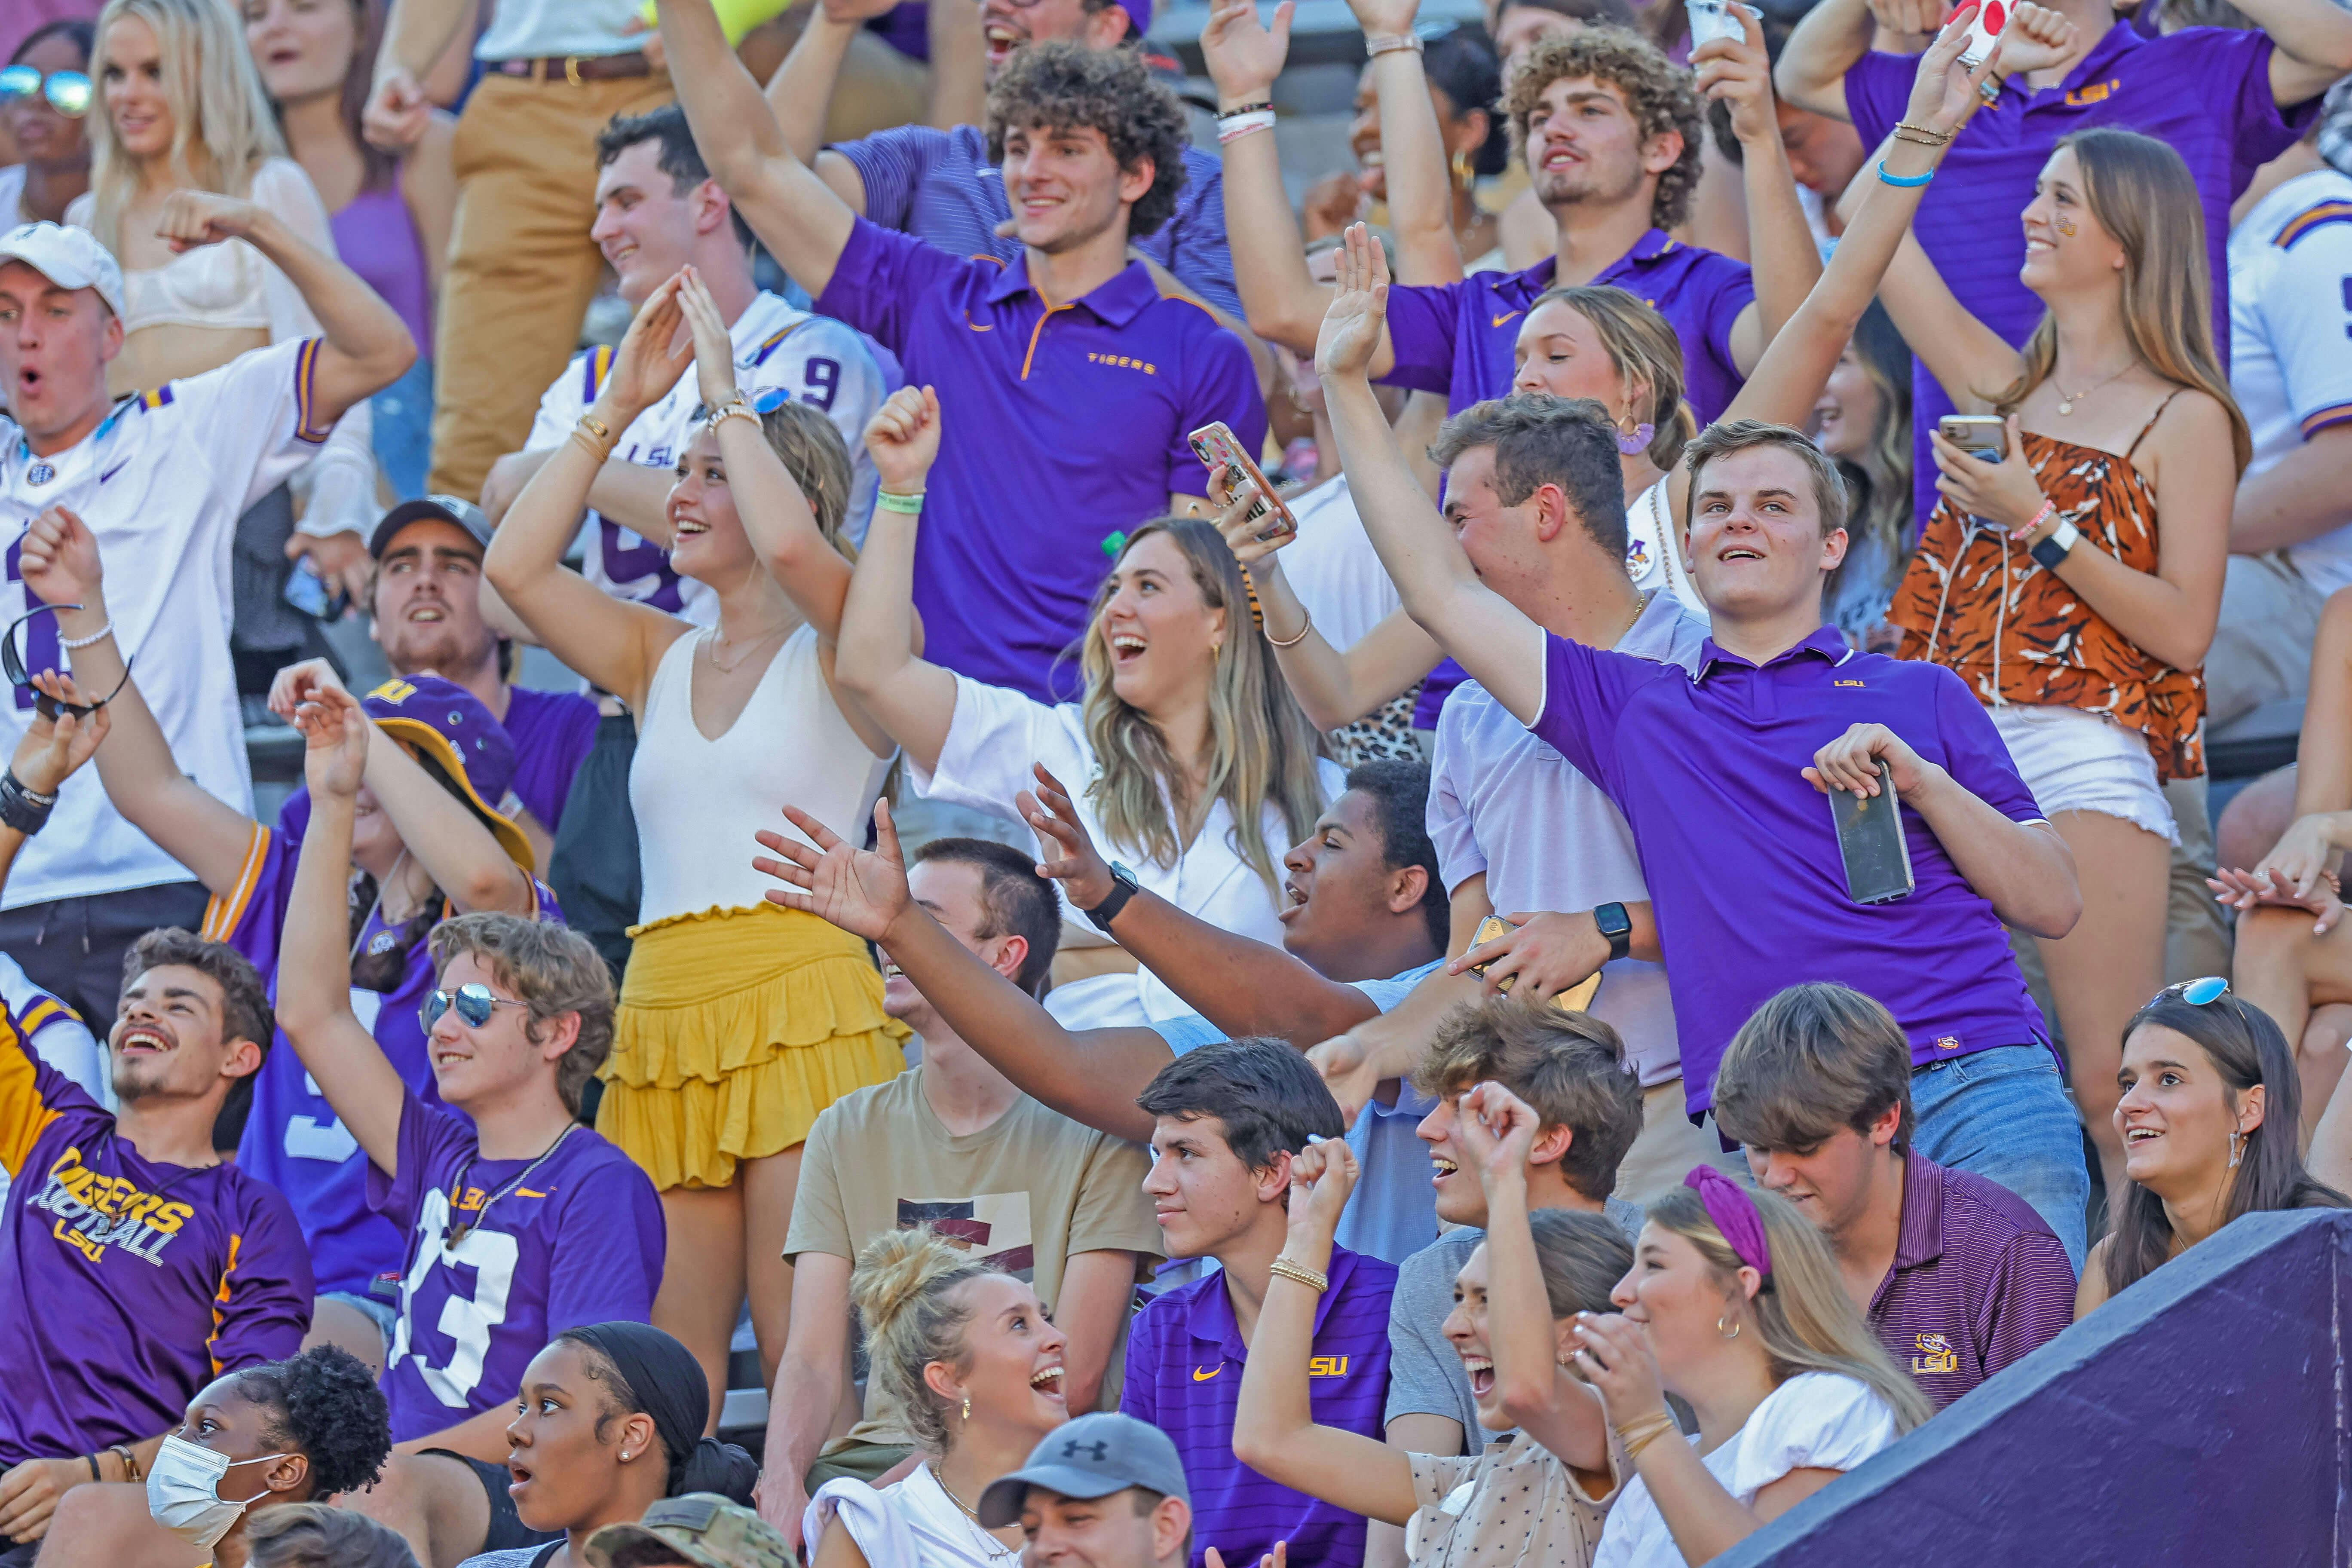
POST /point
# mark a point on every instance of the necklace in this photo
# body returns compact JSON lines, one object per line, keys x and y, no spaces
{"x":2066,"y":400}
{"x":712,"y":639}
{"x":459,"y":1232}
{"x":969,"y":1512}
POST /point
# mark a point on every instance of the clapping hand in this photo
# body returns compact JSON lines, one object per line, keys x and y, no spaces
{"x":654,"y":353}
{"x":1740,"y":75}
{"x":1358,"y":312}
{"x":903,"y":438}
{"x":1322,"y":1174}
{"x":1243,"y":56}
{"x":714,"y":351}
{"x":863,"y":891}
{"x":335,"y":733}
{"x":1078,"y":866}
{"x":53,"y":750}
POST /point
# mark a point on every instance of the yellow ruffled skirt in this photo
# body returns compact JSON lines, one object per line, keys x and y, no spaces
{"x":736,"y":1028}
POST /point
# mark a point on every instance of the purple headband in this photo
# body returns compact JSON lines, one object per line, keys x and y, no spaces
{"x":1733,"y":1213}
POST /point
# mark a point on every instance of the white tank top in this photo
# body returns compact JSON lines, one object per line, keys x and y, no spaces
{"x":697,"y":801}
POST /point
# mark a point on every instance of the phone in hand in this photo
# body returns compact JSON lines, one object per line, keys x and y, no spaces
{"x":1871,"y":842}
{"x":1991,"y":17}
{"x":1217,"y":447}
{"x":1577,"y":998}
{"x":1712,"y":19}
{"x":1984,"y":436}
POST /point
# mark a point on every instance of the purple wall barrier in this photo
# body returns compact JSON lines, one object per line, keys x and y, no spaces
{"x":2202,"y":1416}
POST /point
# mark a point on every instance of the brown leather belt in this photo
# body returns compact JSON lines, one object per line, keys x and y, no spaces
{"x":576,"y":68}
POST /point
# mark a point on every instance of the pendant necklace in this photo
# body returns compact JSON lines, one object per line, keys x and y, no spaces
{"x":2066,"y":400}
{"x":460,"y":1231}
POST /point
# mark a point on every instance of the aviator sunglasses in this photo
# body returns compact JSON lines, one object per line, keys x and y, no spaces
{"x":68,"y":91}
{"x":2198,"y":993}
{"x":12,"y":665}
{"x":474,"y":1004}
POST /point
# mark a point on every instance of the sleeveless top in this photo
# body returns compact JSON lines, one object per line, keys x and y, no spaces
{"x":1976,"y":602}
{"x":378,"y":240}
{"x":697,"y":801}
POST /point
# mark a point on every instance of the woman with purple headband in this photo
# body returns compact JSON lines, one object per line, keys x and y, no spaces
{"x":1734,"y":1305}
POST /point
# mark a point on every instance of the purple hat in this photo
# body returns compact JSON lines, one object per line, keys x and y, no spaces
{"x":1139,"y":12}
{"x":443,"y":724}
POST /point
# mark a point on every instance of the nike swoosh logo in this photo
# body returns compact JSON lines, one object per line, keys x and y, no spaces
{"x":112,"y":472}
{"x":1200,"y":1376}
{"x":1505,"y":317}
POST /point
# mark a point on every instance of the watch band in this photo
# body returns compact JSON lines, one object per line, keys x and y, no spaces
{"x":1618,"y":927}
{"x":2059,"y":546}
{"x":1122,"y":887}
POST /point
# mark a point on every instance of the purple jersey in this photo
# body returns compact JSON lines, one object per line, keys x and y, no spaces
{"x":125,"y":1285}
{"x":580,"y":1242}
{"x":292,"y":1139}
{"x":552,"y":731}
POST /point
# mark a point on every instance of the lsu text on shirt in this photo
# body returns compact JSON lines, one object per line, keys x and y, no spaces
{"x":1185,"y":1360}
{"x":579,"y":1242}
{"x":777,"y":348}
{"x":2290,"y":328}
{"x":1741,"y":853}
{"x":1060,"y":428}
{"x":292,"y":1137}
{"x":161,"y":482}
{"x":126,"y":1284}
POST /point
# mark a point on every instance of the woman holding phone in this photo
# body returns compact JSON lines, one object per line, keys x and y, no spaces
{"x":2072,"y":574}
{"x":1200,"y":768}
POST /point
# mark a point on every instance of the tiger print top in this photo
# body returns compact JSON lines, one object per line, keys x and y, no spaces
{"x":1974,"y":601}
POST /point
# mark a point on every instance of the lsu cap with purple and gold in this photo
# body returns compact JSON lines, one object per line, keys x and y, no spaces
{"x":449,"y":730}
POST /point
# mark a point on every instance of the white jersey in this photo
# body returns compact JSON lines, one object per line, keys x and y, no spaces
{"x":53,"y":1032}
{"x":2291,"y":335}
{"x":814,"y":358}
{"x":161,"y":482}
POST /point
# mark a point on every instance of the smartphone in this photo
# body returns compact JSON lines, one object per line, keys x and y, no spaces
{"x":308,"y":592}
{"x":1712,"y":19}
{"x":1870,"y":841}
{"x":1981,"y":436}
{"x":1991,"y":17}
{"x":1577,"y":998}
{"x":1217,"y":447}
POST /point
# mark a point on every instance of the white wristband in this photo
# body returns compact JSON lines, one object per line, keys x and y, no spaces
{"x":1233,"y":128}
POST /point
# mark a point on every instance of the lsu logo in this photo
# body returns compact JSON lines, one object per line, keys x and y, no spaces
{"x":1947,"y":1042}
{"x":395,"y":690}
{"x":1856,"y":683}
{"x":1328,"y":1366}
{"x":2098,"y":92}
{"x":1637,"y":557}
{"x":1937,"y":1354}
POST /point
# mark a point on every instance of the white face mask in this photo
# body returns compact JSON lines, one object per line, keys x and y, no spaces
{"x":183,"y":1491}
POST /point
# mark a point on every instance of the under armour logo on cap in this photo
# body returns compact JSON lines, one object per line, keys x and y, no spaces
{"x":1099,"y":1452}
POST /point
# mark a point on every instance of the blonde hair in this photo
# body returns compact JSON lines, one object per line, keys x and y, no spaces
{"x":1261,"y":746}
{"x":2140,"y":191}
{"x":1803,"y":1317}
{"x":1644,"y":351}
{"x":223,"y":127}
{"x":812,"y":452}
{"x":907,"y":1288}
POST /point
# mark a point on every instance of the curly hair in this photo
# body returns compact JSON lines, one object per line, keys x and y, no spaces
{"x":324,"y":1404}
{"x":1657,"y":92}
{"x":1064,"y":86}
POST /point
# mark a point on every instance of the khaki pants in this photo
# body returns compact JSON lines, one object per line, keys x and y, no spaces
{"x":521,"y":267}
{"x":1669,"y":1146}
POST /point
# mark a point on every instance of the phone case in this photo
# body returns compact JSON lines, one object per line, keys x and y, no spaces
{"x":1577,"y":998}
{"x":1871,"y":842}
{"x":1218,"y":448}
{"x":1991,"y":17}
{"x":1982,"y":439}
{"x":1713,"y":19}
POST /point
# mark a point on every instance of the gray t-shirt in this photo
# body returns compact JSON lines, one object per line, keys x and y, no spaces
{"x":1505,"y":803}
{"x":1425,"y":1376}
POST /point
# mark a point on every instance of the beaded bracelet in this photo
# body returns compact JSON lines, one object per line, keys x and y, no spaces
{"x":1264,"y":105}
{"x":1300,"y":1272}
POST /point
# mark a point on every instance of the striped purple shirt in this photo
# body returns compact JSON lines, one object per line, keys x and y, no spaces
{"x":1184,"y":1360}
{"x":1978,"y":1281}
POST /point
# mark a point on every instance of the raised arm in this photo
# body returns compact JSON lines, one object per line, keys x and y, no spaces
{"x":1501,"y":648}
{"x":1967,"y":358}
{"x":910,"y":698}
{"x":1412,"y":149}
{"x":1274,"y":1429}
{"x":803,"y":224}
{"x":611,"y":642}
{"x":799,"y":94}
{"x":363,"y":349}
{"x":60,"y":564}
{"x":1784,"y":259}
{"x":1831,"y":39}
{"x":2313,"y":45}
{"x":1092,"y":1079}
{"x":314,"y":960}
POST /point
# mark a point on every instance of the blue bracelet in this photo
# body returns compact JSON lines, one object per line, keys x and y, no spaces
{"x":1907,"y":184}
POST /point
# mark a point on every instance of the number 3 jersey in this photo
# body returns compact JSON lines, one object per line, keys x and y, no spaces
{"x":549,"y":1242}
{"x":817,"y":360}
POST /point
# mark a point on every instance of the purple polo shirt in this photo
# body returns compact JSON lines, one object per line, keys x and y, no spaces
{"x":1978,"y":1281}
{"x":552,"y":731}
{"x":1062,"y":428}
{"x":1184,"y":1360}
{"x":2205,"y":90}
{"x":1741,"y":855}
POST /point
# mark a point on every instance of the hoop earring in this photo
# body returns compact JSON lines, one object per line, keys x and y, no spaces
{"x":2238,"y":1141}
{"x":1732,"y":1333}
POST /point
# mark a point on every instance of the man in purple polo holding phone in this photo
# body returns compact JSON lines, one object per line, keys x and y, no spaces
{"x":1723,"y":772}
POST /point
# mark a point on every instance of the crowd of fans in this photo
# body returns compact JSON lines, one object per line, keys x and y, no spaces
{"x":1494,"y":857}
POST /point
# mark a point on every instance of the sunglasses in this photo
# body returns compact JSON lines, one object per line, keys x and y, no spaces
{"x":766,"y":401}
{"x":474,"y":1004}
{"x":2197,"y":993}
{"x":68,"y":91}
{"x":12,"y":665}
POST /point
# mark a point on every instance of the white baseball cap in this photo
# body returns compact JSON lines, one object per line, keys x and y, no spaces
{"x":69,"y":258}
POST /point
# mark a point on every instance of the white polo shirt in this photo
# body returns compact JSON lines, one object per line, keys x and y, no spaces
{"x":161,"y":482}
{"x":818,"y":360}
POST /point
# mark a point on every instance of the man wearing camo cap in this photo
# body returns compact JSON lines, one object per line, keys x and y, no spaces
{"x":1105,"y":1490}
{"x":700,"y":1530}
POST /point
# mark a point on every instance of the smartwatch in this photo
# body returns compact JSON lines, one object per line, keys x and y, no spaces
{"x":1618,"y":927}
{"x":2056,"y":548}
{"x":1122,"y":887}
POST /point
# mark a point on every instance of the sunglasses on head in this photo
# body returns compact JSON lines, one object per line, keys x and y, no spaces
{"x":474,"y":1004}
{"x":68,"y":91}
{"x":766,"y":401}
{"x":12,"y":665}
{"x":2197,"y":993}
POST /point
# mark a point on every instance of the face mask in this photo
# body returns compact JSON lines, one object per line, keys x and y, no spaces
{"x":183,"y":1491}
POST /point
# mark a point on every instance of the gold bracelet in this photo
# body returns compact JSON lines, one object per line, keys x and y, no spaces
{"x":739,"y":409}
{"x":1644,"y":1431}
{"x":1293,"y":642}
{"x":595,"y":435}
{"x":130,"y":1471}
{"x":1319,"y":1283}
{"x":1921,"y":135}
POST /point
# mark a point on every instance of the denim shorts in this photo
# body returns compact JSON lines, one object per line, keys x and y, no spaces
{"x":2005,"y":1114}
{"x":383,"y":1314}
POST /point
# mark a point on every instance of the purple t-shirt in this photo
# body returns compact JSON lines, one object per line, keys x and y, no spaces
{"x":1741,"y":854}
{"x":1978,"y":1281}
{"x":580,"y":1242}
{"x":2205,"y":90}
{"x":552,"y":731}
{"x":126,"y":1285}
{"x":1184,"y":1360}
{"x":1061,"y":429}
{"x":292,"y":1137}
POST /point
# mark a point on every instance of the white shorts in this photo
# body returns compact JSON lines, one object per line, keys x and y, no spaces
{"x":2074,"y":760}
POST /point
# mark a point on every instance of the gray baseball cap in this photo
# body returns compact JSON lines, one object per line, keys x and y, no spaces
{"x":452,"y":510}
{"x":1091,"y":1457}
